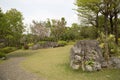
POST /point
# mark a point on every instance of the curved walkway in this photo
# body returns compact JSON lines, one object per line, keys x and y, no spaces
{"x":11,"y":70}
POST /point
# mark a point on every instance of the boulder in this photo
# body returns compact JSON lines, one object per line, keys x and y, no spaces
{"x":47,"y":44}
{"x":36,"y":46}
{"x":86,"y":54}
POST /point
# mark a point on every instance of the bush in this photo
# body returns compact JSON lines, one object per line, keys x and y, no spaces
{"x":62,"y":43}
{"x":30,"y":44}
{"x":2,"y":55}
{"x":42,"y":42}
{"x":26,"y":46}
{"x":2,"y":45}
{"x":7,"y":49}
{"x":49,"y":39}
{"x":112,"y":47}
{"x":71,"y":43}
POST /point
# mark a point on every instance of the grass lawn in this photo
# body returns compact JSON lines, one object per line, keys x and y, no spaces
{"x":1,"y":61}
{"x":53,"y":64}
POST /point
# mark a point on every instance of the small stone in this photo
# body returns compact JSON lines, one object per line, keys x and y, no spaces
{"x":76,"y":67}
{"x":89,"y":68}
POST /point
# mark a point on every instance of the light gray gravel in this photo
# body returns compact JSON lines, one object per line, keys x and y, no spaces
{"x":11,"y":70}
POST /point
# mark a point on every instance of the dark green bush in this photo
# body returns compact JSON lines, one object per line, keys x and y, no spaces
{"x":62,"y":43}
{"x":2,"y":55}
{"x":26,"y":46}
{"x":7,"y":49}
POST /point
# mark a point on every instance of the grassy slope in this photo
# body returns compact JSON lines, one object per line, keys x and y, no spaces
{"x":53,"y":64}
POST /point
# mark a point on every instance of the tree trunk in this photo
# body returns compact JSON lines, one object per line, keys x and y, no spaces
{"x":116,"y":27}
{"x":111,"y":24}
{"x":106,"y":54}
{"x":97,"y":24}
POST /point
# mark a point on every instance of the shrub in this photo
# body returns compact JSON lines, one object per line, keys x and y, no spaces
{"x":90,"y":62}
{"x":7,"y":49}
{"x":2,"y":55}
{"x":2,"y":45}
{"x":42,"y":42}
{"x":49,"y":39}
{"x":26,"y":46}
{"x":71,"y":43}
{"x":62,"y":43}
{"x":30,"y":44}
{"x":112,"y":47}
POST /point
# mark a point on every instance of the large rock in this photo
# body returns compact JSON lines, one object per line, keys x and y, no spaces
{"x":86,"y":54}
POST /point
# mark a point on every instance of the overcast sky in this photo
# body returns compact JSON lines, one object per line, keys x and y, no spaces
{"x":40,"y":10}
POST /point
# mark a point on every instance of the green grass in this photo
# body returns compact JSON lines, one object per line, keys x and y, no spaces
{"x":53,"y":64}
{"x":1,"y":61}
{"x":21,"y":53}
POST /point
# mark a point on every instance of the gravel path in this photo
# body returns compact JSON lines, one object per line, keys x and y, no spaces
{"x":11,"y":70}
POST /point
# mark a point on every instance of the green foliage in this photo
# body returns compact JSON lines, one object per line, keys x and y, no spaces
{"x":2,"y":54}
{"x":58,"y":28}
{"x":62,"y":43}
{"x":90,"y":62}
{"x":49,"y":39}
{"x":71,"y":43}
{"x":2,"y":45}
{"x":30,"y":44}
{"x":112,"y":47}
{"x":7,"y":49}
{"x":16,"y":27}
{"x":88,"y":32}
{"x":42,"y":42}
{"x":11,"y":27}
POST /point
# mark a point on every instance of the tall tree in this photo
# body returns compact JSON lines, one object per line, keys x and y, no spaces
{"x":58,"y":28}
{"x":116,"y":10}
{"x":40,"y":29}
{"x":14,"y":23}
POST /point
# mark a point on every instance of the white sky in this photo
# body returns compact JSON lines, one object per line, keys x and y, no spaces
{"x":40,"y":10}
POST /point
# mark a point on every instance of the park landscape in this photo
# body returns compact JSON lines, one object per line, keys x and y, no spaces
{"x":52,"y":50}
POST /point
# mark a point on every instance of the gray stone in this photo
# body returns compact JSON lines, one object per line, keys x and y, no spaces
{"x":104,"y":64}
{"x":47,"y":44}
{"x":87,"y":54}
{"x":115,"y":62}
{"x":36,"y":46}
{"x":88,"y":68}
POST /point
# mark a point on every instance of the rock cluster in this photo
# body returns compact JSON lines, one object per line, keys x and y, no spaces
{"x":87,"y":54}
{"x":45,"y":45}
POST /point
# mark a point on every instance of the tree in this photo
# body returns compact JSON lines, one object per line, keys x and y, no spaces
{"x":88,"y":10}
{"x":108,"y":9}
{"x":58,"y":28}
{"x":2,"y":27}
{"x":116,"y":10}
{"x":40,"y":29}
{"x":14,"y":23}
